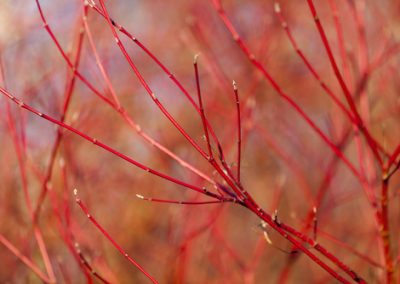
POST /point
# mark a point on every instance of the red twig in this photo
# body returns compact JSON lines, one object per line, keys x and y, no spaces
{"x":278,"y":89}
{"x":107,"y":235}
{"x":24,"y":259}
{"x":170,"y":75}
{"x":106,"y":147}
{"x":202,"y":114}
{"x":239,"y":130}
{"x":374,"y":146}
{"x":151,"y":199}
{"x":67,"y":99}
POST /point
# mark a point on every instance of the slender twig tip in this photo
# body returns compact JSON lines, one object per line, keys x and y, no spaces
{"x":139,"y":196}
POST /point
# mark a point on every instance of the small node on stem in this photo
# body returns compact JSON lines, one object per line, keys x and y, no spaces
{"x":315,"y":221}
{"x":40,"y":114}
{"x":314,"y":244}
{"x":94,"y":141}
{"x":385,"y":176}
{"x":116,"y":40}
{"x":75,"y":192}
{"x":275,"y":217}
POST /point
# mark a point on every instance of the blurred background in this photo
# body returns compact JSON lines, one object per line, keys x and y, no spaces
{"x":285,"y":165}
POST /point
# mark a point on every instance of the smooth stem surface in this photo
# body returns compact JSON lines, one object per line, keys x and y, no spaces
{"x":374,"y":146}
{"x":106,"y":147}
{"x":279,"y":90}
{"x":108,"y":236}
{"x":245,"y":198}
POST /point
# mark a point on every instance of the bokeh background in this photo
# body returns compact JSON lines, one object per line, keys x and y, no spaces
{"x":284,"y":163}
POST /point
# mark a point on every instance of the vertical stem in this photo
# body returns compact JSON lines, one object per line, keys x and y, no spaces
{"x":385,"y":233}
{"x":239,"y":129}
{"x":202,"y":115}
{"x":374,"y":146}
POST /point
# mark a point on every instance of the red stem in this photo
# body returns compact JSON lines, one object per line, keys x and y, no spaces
{"x":279,"y":90}
{"x":203,"y":116}
{"x":239,"y":130}
{"x":115,"y":244}
{"x":374,"y":146}
{"x":108,"y":148}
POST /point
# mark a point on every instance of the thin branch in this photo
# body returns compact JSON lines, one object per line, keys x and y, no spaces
{"x":202,"y":114}
{"x":251,"y":57}
{"x":106,"y":147}
{"x":24,"y":259}
{"x":151,"y":199}
{"x":107,"y":235}
{"x":374,"y":146}
{"x":239,"y":130}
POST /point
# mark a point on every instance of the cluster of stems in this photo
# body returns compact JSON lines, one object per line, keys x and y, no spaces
{"x":226,"y":185}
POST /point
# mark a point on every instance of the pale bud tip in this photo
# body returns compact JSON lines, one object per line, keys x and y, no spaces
{"x":75,"y":192}
{"x":139,"y":196}
{"x":277,"y":7}
{"x":196,"y":56}
{"x":267,"y":238}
